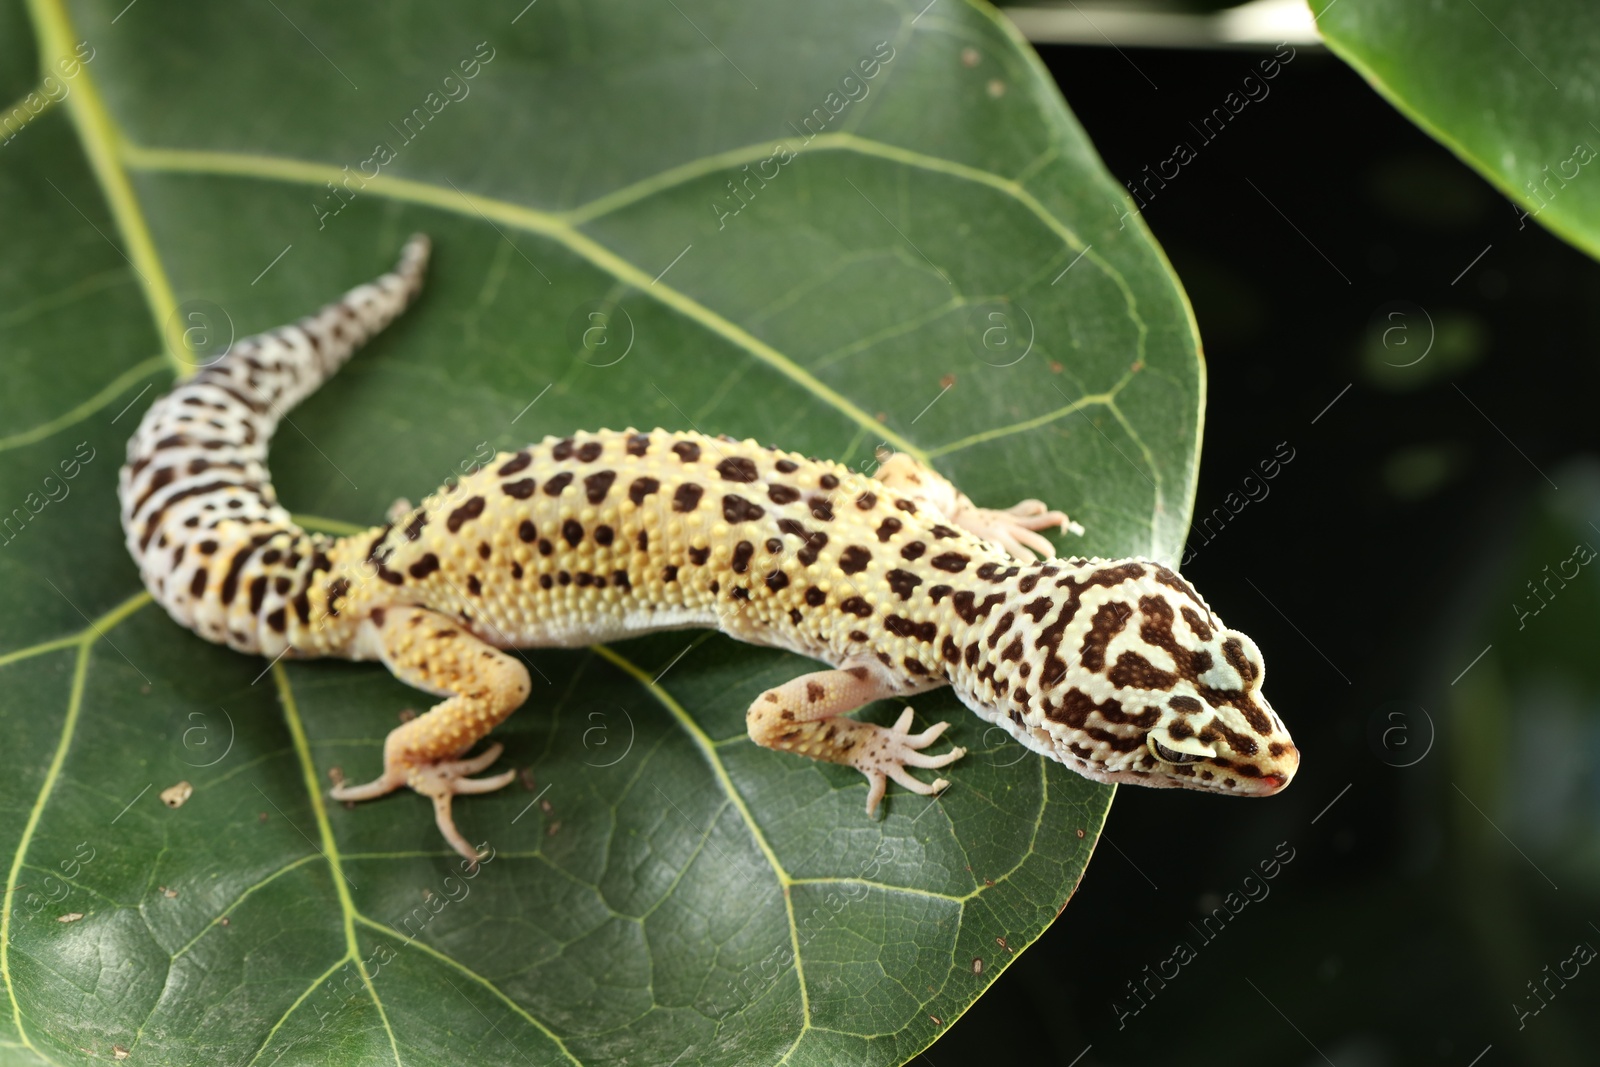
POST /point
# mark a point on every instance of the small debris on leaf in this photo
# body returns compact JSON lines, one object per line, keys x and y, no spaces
{"x":69,"y":917}
{"x":174,"y":796}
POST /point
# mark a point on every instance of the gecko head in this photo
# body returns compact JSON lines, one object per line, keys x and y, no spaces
{"x":1214,"y":729}
{"x":1139,"y":682}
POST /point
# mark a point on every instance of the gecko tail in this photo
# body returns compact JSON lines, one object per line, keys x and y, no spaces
{"x":196,"y":496}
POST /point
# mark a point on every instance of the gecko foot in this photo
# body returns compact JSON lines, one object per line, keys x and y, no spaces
{"x":439,"y":780}
{"x":1013,"y":529}
{"x":889,"y":751}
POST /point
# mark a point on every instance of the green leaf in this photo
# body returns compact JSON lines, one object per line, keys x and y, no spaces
{"x":662,"y":888}
{"x":1507,"y":85}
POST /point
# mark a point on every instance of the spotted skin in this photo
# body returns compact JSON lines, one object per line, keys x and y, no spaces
{"x":900,"y":583}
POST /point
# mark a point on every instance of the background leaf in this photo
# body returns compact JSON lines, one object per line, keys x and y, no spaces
{"x":1509,"y":86}
{"x":945,"y":269}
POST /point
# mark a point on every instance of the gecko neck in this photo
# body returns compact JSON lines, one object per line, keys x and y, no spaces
{"x":1018,"y":635}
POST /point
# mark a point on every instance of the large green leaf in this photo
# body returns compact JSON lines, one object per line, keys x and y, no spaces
{"x":1507,"y":85}
{"x":662,"y":888}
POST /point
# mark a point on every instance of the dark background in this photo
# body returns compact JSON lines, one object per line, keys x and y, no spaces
{"x":1458,"y":860}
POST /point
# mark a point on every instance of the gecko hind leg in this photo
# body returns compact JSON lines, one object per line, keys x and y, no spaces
{"x":482,"y":686}
{"x":1013,"y":528}
{"x":806,"y":715}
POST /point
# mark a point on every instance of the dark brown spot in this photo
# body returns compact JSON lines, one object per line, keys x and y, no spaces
{"x":590,"y":451}
{"x":687,"y":498}
{"x":527,"y":531}
{"x":277,"y":620}
{"x":943,"y":531}
{"x":1201,"y":628}
{"x":779,"y":493}
{"x":1133,"y":671}
{"x":914,"y":550}
{"x":643,"y":541}
{"x":598,"y":484}
{"x":424,"y":566}
{"x":795,"y":616}
{"x":954,"y":562}
{"x":855,"y":606}
{"x":821,"y":508}
{"x":777,"y":580}
{"x":1001,"y":627}
{"x":516,"y":463}
{"x":197,"y":584}
{"x":698,"y":556}
{"x":474,"y":586}
{"x":562,"y":449}
{"x":815,"y":692}
{"x":938,"y":592}
{"x":1186,"y":705}
{"x":737,"y":469}
{"x":816,"y":597}
{"x":906,"y":506}
{"x":741,"y":557}
{"x":545,"y":547}
{"x":483,"y":550}
{"x":687,"y":451}
{"x":572,"y":531}
{"x":603,"y":535}
{"x":867,"y":501}
{"x":669,"y":573}
{"x":737,"y":509}
{"x":1109,"y":620}
{"x":787,"y":466}
{"x":638,"y":444}
{"x":1233,"y":652}
{"x":888,"y":528}
{"x":641,"y":488}
{"x":258,"y":593}
{"x":854,"y":560}
{"x":545,"y":581}
{"x":554,"y":486}
{"x":902,"y":582}
{"x":470,"y":510}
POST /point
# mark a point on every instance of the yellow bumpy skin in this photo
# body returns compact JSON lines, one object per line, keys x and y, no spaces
{"x":1116,"y":668}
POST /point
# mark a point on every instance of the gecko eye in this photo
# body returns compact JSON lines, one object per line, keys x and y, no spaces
{"x":1167,"y":755}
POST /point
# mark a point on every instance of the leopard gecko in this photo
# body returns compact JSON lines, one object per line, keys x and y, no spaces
{"x":1114,"y":667}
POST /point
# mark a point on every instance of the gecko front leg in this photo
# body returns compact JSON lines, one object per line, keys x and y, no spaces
{"x":1011,"y":529}
{"x":806,"y":715}
{"x":482,"y":685}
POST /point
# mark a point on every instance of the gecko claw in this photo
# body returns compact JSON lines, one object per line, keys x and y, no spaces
{"x":439,"y":781}
{"x":1014,"y":528}
{"x":892,"y":750}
